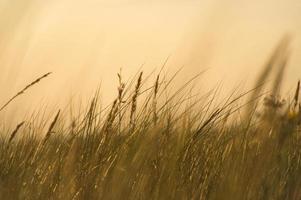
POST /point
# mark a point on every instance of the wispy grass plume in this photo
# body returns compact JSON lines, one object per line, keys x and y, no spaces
{"x":24,"y":90}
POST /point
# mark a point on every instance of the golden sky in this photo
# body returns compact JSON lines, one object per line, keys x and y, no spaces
{"x":85,"y":42}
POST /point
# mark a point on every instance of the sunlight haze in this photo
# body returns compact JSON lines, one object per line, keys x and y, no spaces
{"x":85,"y":43}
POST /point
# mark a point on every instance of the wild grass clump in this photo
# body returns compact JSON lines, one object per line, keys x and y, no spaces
{"x":149,"y":146}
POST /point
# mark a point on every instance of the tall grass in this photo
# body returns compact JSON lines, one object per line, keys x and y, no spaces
{"x":149,"y":146}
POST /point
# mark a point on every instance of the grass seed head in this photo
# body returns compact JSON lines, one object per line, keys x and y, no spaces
{"x":14,"y":133}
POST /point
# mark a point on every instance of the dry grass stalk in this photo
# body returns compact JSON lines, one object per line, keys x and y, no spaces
{"x":14,"y":133}
{"x":134,"y":99}
{"x":121,"y":88}
{"x":111,"y":116}
{"x":156,"y":89}
{"x":51,"y":126}
{"x":24,"y":89}
{"x":296,"y":98}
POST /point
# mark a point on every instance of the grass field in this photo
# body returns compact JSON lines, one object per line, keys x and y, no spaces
{"x":152,"y":143}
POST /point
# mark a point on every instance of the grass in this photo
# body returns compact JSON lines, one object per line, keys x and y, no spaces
{"x":151,"y":144}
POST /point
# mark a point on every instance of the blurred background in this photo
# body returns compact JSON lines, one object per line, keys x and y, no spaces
{"x":85,"y":43}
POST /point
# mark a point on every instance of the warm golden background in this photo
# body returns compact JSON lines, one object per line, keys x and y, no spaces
{"x":85,"y":42}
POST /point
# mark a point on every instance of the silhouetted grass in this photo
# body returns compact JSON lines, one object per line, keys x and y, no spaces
{"x":147,"y":146}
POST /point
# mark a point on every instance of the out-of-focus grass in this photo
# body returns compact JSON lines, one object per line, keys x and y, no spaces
{"x":149,"y":145}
